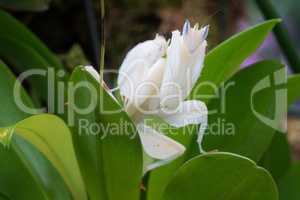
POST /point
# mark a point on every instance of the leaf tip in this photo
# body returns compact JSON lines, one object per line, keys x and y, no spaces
{"x":274,"y":21}
{"x":6,"y":135}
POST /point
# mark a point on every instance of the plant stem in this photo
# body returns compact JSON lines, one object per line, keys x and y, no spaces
{"x":93,"y":33}
{"x":102,"y":37}
{"x":281,"y":34}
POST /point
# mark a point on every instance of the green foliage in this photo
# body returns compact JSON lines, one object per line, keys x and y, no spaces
{"x":159,"y":178}
{"x":224,"y":60}
{"x":36,"y":177}
{"x":51,"y":136}
{"x":10,"y":113}
{"x":277,"y":159}
{"x":114,"y":158}
{"x":58,"y":159}
{"x":16,"y":31}
{"x":22,"y":50}
{"x":221,"y":176}
{"x":219,"y":65}
{"x":289,"y":184}
{"x":293,"y":88}
{"x":237,"y":137}
{"x":28,"y":174}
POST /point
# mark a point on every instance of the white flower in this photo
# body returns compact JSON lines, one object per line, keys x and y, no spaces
{"x":143,"y":64}
{"x":156,"y":78}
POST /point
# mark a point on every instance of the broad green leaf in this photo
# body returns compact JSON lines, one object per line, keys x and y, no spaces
{"x":289,"y":184}
{"x":27,"y":5}
{"x":37,"y":174}
{"x":159,"y":178}
{"x":4,"y":197}
{"x":10,"y":113}
{"x":16,"y":180}
{"x":24,"y":58}
{"x":10,"y":163}
{"x":293,"y":88}
{"x":113,"y":150}
{"x":221,"y":176}
{"x":18,"y":32}
{"x":277,"y":159}
{"x":224,"y":60}
{"x":250,"y":109}
{"x":23,"y":51}
{"x":51,"y":136}
{"x":85,"y":144}
{"x":36,"y":177}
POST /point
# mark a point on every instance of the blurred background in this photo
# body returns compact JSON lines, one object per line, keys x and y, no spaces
{"x":69,"y":28}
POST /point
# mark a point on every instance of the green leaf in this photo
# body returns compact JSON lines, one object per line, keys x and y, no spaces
{"x":26,"y":5}
{"x":18,"y":32}
{"x":224,"y":60}
{"x":4,"y":197}
{"x":289,"y":184}
{"x":36,"y":179}
{"x":23,"y":51}
{"x":39,"y":177}
{"x":113,"y":153}
{"x":159,"y":178}
{"x":10,"y":113}
{"x":22,"y":186}
{"x":250,"y":109}
{"x":293,"y":88}
{"x":221,"y":176}
{"x":85,"y":144}
{"x":51,"y":136}
{"x":277,"y":159}
{"x":22,"y":57}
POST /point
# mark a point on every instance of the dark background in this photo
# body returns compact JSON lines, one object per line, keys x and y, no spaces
{"x":128,"y":22}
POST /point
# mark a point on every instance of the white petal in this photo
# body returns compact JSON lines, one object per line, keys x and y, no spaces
{"x":189,"y":112}
{"x":155,"y":74}
{"x":129,"y":80}
{"x":198,"y":56}
{"x":148,"y":90}
{"x":139,"y":91}
{"x":147,"y":52}
{"x":204,"y":32}
{"x":183,"y":66}
{"x":174,"y":76}
{"x":96,"y":76}
{"x":93,"y":72}
{"x":157,"y":145}
{"x":186,"y":27}
{"x":151,"y":164}
{"x":193,"y":37}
